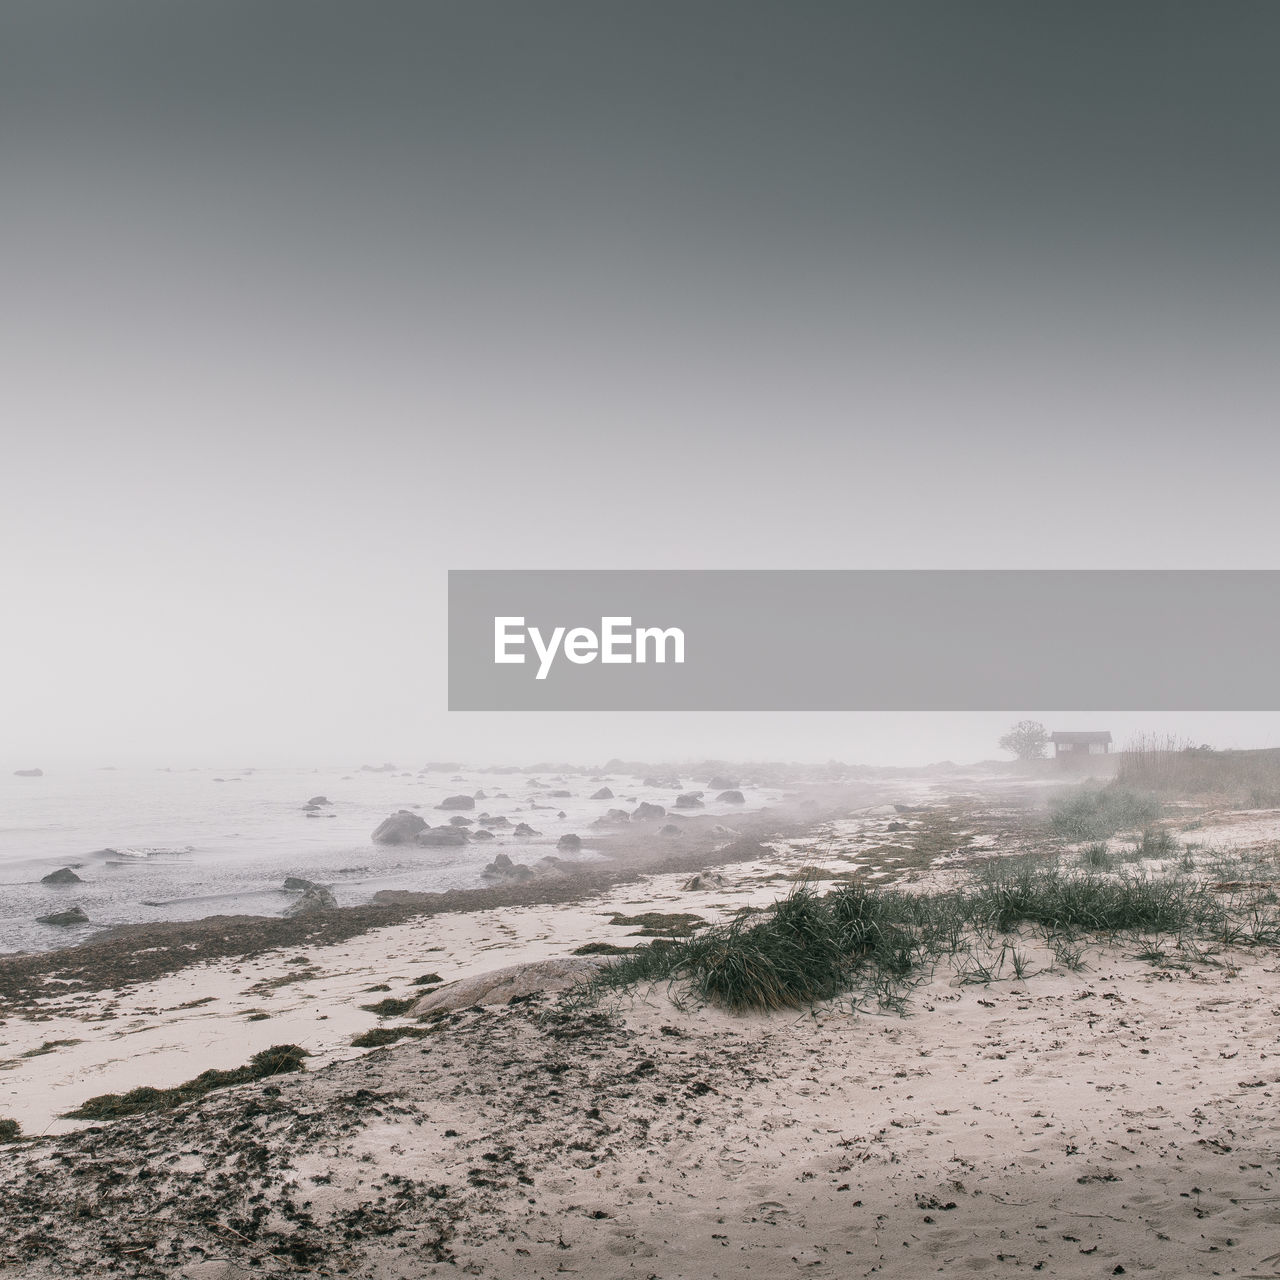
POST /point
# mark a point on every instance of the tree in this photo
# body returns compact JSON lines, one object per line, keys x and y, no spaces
{"x":1027,"y":740}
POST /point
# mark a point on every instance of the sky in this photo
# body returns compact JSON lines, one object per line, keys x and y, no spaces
{"x":308,"y":303}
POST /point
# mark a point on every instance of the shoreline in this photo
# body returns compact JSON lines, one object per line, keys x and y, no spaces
{"x":127,"y":954}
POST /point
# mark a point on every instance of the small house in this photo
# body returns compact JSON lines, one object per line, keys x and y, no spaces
{"x":1089,"y":742}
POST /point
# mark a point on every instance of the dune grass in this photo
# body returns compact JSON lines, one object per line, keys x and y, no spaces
{"x":1094,"y":813}
{"x":859,"y":938}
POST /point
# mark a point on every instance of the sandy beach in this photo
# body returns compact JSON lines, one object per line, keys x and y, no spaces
{"x":1112,"y":1118}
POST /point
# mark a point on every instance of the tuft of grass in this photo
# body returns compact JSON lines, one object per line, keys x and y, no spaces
{"x":426,"y":980}
{"x":275,"y":1061}
{"x":1094,"y":813}
{"x":1097,"y":856}
{"x":10,"y":1130}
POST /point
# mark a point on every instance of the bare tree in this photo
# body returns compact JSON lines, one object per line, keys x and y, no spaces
{"x":1027,"y":740}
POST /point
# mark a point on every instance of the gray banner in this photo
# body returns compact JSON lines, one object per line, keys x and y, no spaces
{"x":864,"y":640}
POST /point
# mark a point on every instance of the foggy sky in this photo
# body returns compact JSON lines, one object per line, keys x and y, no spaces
{"x":307,"y":303}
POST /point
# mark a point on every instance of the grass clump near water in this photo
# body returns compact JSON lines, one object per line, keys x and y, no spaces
{"x":10,"y":1130}
{"x":1094,"y":813}
{"x":863,"y":939}
{"x":277,"y":1060}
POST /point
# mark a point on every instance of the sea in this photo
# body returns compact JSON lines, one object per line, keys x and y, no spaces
{"x":166,"y":844}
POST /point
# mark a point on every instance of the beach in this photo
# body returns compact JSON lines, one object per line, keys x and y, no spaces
{"x":1111,"y":1116}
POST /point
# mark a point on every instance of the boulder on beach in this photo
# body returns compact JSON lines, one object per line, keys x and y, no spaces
{"x":569,"y":842}
{"x":317,"y":802}
{"x":502,"y":868}
{"x":603,"y":794}
{"x":63,"y":876}
{"x":459,"y":821}
{"x":731,"y":797}
{"x":722,"y":784}
{"x":646,"y":810}
{"x":457,"y":802}
{"x":499,"y":821}
{"x":670,"y":830}
{"x":400,"y":828}
{"x":501,"y":986}
{"x":690,"y":800}
{"x":296,"y":884}
{"x":74,"y":915}
{"x":898,"y":826}
{"x":315,"y":897}
{"x":559,"y":795}
{"x":524,"y":829}
{"x":435,"y":837}
{"x":482,"y":834}
{"x":28,"y":773}
{"x":706,"y":880}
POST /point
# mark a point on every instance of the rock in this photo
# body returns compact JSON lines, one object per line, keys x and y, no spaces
{"x":706,"y":880}
{"x":524,"y":829}
{"x":434,"y":837}
{"x":377,"y":768}
{"x":457,"y":802}
{"x":501,"y":986}
{"x":502,"y":868}
{"x":499,"y":821}
{"x":645,"y":810}
{"x":670,"y":830}
{"x":75,"y":915}
{"x":318,"y":802}
{"x":400,"y":828}
{"x":722,"y":784}
{"x":731,"y":797}
{"x":898,"y":826}
{"x":569,"y":842}
{"x":315,"y":897}
{"x":63,"y":876}
{"x":663,"y":784}
{"x":690,"y":800}
{"x":614,"y":818}
{"x":603,"y":794}
{"x":459,"y":821}
{"x":28,"y":773}
{"x":482,"y":834}
{"x":296,"y":884}
{"x":559,"y":795}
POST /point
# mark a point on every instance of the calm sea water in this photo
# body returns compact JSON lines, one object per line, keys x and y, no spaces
{"x":247,"y":830}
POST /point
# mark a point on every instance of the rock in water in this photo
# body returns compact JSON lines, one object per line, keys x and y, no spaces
{"x":646,"y":810}
{"x":690,"y":800}
{"x":314,"y":898}
{"x":435,"y":837}
{"x":524,"y":829}
{"x":400,"y":828}
{"x":64,"y":876}
{"x":569,"y":842}
{"x":719,"y":783}
{"x":28,"y":773}
{"x":603,"y":794}
{"x":731,"y":797}
{"x":75,"y":915}
{"x":457,"y":802}
{"x":502,"y":868}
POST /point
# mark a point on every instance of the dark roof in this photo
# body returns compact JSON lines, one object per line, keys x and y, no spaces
{"x":1081,"y":737}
